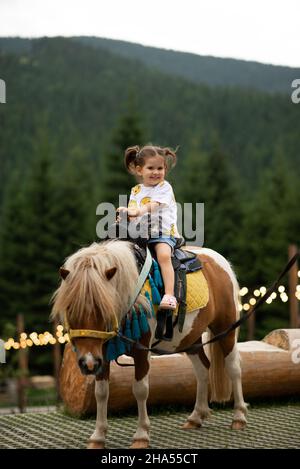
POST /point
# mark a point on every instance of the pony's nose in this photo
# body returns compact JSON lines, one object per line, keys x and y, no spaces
{"x":89,"y":367}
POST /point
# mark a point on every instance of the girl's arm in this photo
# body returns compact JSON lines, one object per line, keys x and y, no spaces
{"x":138,"y":212}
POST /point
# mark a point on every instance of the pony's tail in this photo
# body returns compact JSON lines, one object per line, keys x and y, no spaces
{"x":220,"y":383}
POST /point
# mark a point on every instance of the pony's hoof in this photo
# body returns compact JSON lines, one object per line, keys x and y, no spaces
{"x":140,"y":444}
{"x":94,"y":444}
{"x":238,"y":425}
{"x":188,"y":425}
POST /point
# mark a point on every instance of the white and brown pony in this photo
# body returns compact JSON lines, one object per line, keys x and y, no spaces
{"x":98,"y":283}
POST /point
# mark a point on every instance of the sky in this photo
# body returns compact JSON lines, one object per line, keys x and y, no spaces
{"x":261,"y":30}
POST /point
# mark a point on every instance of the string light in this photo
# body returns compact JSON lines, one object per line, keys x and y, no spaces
{"x":46,"y":338}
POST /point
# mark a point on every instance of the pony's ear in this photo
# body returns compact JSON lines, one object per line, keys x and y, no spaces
{"x":110,"y":272}
{"x":63,"y":273}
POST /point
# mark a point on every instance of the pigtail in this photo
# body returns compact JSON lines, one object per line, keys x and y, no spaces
{"x":131,"y":154}
{"x":170,"y":157}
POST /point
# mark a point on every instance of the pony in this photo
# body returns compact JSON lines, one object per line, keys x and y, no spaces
{"x":98,"y":285}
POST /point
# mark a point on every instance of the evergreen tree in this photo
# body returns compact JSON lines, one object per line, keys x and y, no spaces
{"x":128,"y":133}
{"x":14,"y":292}
{"x":74,"y":205}
{"x":210,"y":179}
{"x":41,"y":245}
{"x":265,"y":232}
{"x":264,"y":240}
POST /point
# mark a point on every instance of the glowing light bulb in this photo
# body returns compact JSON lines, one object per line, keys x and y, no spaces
{"x":244,"y":291}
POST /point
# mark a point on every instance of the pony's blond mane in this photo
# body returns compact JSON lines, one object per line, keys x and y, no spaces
{"x":86,"y":291}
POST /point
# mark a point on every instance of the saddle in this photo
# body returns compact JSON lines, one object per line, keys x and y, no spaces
{"x":183,"y":261}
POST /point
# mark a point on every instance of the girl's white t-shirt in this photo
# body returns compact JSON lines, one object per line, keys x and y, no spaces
{"x":164,"y":219}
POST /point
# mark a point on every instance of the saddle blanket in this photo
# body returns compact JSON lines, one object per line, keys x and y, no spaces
{"x":197,"y":292}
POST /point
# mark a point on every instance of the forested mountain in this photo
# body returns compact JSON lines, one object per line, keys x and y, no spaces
{"x":72,"y":109}
{"x":77,"y":93}
{"x":212,"y":71}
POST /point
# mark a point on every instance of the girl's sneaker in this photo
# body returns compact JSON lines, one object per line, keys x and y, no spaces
{"x":168,"y":302}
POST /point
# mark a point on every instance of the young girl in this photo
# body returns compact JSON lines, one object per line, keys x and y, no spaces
{"x":155,"y":196}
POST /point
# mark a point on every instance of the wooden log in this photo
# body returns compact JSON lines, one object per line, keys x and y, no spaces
{"x":283,"y":338}
{"x":267,"y":371}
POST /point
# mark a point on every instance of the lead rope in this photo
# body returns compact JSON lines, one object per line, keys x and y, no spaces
{"x":193,"y":349}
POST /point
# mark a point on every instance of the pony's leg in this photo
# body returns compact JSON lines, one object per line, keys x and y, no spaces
{"x":97,"y":439}
{"x":140,"y":388}
{"x":233,"y":368}
{"x":201,"y":410}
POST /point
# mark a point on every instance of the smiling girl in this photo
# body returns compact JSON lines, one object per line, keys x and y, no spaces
{"x":155,"y":195}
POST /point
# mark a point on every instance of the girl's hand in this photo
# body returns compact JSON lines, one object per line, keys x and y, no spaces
{"x":131,"y":212}
{"x":122,"y":209}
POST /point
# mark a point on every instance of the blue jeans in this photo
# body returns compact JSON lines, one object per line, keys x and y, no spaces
{"x":170,"y":240}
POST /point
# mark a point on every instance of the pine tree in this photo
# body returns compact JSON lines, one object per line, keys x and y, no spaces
{"x":265,"y":238}
{"x":210,"y":179}
{"x":266,"y":228}
{"x":128,"y":133}
{"x":74,"y":205}
{"x":41,"y":243}
{"x":14,"y":292}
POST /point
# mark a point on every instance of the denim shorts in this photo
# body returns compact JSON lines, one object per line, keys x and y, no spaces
{"x":170,"y":240}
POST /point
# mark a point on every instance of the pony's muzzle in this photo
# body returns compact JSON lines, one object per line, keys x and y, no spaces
{"x":90,"y":365}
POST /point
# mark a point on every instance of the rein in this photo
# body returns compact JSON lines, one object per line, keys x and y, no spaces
{"x":193,"y":349}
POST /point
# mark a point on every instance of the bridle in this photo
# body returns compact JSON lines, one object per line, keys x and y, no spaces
{"x":107,"y":335}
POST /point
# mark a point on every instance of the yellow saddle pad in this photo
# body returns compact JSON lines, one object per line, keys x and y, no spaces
{"x":197,"y":295}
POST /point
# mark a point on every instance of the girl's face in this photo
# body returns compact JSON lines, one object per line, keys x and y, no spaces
{"x":153,"y":172}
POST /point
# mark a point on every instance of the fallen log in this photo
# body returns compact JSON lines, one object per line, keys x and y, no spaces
{"x":270,"y":368}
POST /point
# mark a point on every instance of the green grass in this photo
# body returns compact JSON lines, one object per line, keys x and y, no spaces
{"x":34,"y":398}
{"x":41,"y":397}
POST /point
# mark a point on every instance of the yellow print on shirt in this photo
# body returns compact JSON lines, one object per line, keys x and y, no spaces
{"x":145,"y":201}
{"x":132,"y":203}
{"x":136,"y":189}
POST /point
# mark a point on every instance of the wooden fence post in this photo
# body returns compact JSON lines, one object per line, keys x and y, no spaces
{"x":23,"y":367}
{"x":293,"y":280}
{"x":251,"y":327}
{"x":56,"y":359}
